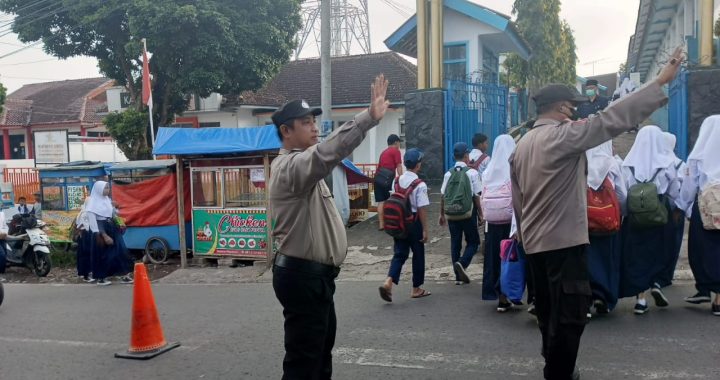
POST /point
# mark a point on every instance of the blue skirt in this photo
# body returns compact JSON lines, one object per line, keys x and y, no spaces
{"x":644,"y":257}
{"x":491,"y":260}
{"x":603,"y":256}
{"x":84,"y":253}
{"x":113,"y":260}
{"x":704,"y":254}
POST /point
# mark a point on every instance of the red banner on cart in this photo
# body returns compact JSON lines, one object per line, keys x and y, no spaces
{"x":152,"y":202}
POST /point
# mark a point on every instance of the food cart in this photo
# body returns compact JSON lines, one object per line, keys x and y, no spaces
{"x":64,"y":189}
{"x":145,"y":192}
{"x":229,"y":170}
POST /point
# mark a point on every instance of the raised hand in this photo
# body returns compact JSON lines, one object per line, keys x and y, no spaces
{"x":668,"y":73}
{"x":378,"y":103}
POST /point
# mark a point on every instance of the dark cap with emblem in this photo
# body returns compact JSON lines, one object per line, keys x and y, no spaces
{"x":591,"y":82}
{"x":412,"y":157}
{"x":554,"y":93}
{"x":460,"y":148}
{"x":293,"y":110}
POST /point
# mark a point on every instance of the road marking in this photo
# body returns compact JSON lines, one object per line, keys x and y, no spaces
{"x":75,"y":343}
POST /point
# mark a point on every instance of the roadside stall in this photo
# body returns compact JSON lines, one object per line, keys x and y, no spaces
{"x":229,"y":169}
{"x":64,"y":189}
{"x":146,"y":194}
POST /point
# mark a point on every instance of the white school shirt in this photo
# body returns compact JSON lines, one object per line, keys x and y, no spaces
{"x":419,"y":196}
{"x":689,"y":190}
{"x":664,"y":179}
{"x":476,"y":154}
{"x":473,"y":174}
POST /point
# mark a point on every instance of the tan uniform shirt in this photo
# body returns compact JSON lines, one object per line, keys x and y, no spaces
{"x":549,"y":170}
{"x":306,"y":223}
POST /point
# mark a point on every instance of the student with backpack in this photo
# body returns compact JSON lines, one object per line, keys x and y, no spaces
{"x":496,"y":205}
{"x":700,"y":199}
{"x":406,"y":221}
{"x":606,"y":195}
{"x":673,"y":242}
{"x":479,"y":159}
{"x":649,"y":171}
{"x":459,"y":207}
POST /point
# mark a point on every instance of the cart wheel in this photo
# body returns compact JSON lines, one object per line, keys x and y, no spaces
{"x":157,"y":250}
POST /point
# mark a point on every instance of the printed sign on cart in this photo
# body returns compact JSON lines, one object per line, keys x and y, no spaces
{"x":230,"y":232}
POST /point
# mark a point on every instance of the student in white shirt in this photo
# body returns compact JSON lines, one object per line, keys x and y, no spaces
{"x":467,"y":226}
{"x":604,"y":251}
{"x":702,"y":179}
{"x":645,"y":253}
{"x":418,"y":235}
{"x":479,"y":159}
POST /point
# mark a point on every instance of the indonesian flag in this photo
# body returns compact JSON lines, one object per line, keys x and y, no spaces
{"x":147,"y":85}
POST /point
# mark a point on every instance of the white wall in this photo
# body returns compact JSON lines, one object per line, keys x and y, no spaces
{"x":96,"y":151}
{"x":460,"y":28}
{"x":113,"y":98}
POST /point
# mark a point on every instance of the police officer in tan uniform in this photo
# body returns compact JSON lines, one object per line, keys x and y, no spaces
{"x":309,"y":234}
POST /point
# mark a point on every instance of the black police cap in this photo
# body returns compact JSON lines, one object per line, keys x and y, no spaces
{"x":554,"y":93}
{"x":293,"y":110}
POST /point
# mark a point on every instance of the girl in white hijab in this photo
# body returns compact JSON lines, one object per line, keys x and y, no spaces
{"x":645,"y":251}
{"x":109,"y":254}
{"x":604,"y":251}
{"x":496,"y":202}
{"x":702,"y":178}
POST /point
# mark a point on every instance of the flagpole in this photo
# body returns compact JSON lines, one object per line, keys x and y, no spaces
{"x":150,"y":102}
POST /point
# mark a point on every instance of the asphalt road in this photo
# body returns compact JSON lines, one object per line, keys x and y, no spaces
{"x":235,"y":332}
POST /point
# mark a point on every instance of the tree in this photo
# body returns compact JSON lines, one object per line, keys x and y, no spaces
{"x":3,"y":94}
{"x":198,"y":46}
{"x":551,"y":41}
{"x":128,"y":129}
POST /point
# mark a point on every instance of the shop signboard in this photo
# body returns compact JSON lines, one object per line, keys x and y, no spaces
{"x":230,"y":232}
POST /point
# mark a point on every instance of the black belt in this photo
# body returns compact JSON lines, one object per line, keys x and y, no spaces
{"x":306,"y":266}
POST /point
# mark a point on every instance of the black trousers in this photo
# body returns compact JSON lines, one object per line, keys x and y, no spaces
{"x":562,"y":299}
{"x":310,"y":324}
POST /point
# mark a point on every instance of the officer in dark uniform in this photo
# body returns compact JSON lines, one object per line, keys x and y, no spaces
{"x":595,"y":103}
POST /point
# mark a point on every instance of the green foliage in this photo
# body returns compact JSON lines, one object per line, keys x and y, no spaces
{"x":3,"y":94}
{"x":717,"y":27}
{"x":129,"y":129}
{"x":553,"y":46}
{"x":197,"y":47}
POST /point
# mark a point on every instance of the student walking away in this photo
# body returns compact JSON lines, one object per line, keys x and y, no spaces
{"x":406,"y":213}
{"x":595,"y":102}
{"x":606,"y":196}
{"x":673,"y":240}
{"x":389,"y":167}
{"x":649,"y":171}
{"x":700,"y":198}
{"x":496,"y":204}
{"x":459,"y":207}
{"x":109,"y":256}
{"x":308,"y":231}
{"x":549,"y":199}
{"x":479,"y":159}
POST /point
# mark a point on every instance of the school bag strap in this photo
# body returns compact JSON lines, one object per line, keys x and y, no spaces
{"x":632,"y":170}
{"x":408,"y":190}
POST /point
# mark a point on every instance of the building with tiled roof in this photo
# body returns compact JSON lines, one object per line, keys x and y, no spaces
{"x":76,"y":105}
{"x":351,"y":78}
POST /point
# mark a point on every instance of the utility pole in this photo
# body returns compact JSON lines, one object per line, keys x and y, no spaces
{"x":325,"y":69}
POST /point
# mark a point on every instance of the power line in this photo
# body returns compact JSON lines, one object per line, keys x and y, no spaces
{"x":9,"y":25}
{"x":29,"y":62}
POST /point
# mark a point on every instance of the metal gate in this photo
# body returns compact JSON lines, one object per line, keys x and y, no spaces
{"x":678,"y":113}
{"x":472,"y":108}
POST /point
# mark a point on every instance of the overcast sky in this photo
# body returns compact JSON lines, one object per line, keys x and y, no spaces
{"x":602,"y":29}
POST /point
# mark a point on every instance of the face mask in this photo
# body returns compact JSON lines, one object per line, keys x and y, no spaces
{"x":573,"y":113}
{"x":590,"y":93}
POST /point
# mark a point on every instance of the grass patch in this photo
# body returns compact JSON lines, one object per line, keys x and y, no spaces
{"x":62,"y":258}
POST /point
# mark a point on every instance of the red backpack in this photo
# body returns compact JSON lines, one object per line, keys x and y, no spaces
{"x":397,"y":211}
{"x":475,"y":164}
{"x":603,"y":209}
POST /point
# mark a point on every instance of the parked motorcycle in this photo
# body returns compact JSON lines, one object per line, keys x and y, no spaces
{"x":28,"y":245}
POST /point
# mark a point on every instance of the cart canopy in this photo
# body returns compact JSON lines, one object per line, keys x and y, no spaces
{"x":222,"y":141}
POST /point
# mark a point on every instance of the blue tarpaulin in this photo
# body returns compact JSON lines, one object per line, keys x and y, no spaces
{"x":222,"y":141}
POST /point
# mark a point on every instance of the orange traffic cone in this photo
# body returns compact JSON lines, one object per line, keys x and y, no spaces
{"x":146,"y":336}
